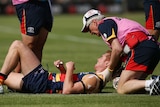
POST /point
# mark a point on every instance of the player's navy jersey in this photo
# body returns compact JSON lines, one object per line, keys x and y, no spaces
{"x":40,"y":81}
{"x":56,"y":80}
{"x":81,"y":74}
{"x":76,"y":77}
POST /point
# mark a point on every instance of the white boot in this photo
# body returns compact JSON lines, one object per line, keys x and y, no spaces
{"x":1,"y":89}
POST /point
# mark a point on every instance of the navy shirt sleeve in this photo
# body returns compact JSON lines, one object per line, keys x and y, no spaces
{"x":108,"y":29}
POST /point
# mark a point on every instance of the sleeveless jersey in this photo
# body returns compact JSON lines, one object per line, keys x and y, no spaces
{"x":55,"y":81}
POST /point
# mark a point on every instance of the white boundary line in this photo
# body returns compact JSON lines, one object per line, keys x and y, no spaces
{"x":13,"y":31}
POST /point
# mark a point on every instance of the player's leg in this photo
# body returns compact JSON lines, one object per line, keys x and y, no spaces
{"x":28,"y":59}
{"x":36,"y":43}
{"x":19,"y":52}
{"x":38,"y":22}
{"x":34,"y":25}
{"x":140,"y":64}
{"x":130,"y":82}
{"x":45,"y":20}
{"x":14,"y":81}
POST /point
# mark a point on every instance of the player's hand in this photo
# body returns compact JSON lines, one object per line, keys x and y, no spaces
{"x":57,"y":63}
{"x":70,"y":66}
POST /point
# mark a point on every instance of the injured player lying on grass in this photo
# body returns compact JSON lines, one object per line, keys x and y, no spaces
{"x":35,"y":79}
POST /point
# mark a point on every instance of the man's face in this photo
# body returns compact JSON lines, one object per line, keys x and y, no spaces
{"x":102,"y":62}
{"x":93,"y":28}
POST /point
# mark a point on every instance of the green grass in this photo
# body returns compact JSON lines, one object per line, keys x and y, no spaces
{"x":92,"y":100}
{"x":66,"y":42}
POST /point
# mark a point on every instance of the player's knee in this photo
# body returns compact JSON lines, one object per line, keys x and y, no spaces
{"x":16,"y":44}
{"x":120,"y":90}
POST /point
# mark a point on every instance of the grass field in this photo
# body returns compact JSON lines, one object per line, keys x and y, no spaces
{"x":66,"y":42}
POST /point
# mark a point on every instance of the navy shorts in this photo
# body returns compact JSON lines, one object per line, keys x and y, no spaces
{"x":144,"y":57}
{"x":34,"y":15}
{"x":36,"y":81}
{"x":152,"y":12}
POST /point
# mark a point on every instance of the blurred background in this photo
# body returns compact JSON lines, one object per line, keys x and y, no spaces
{"x":81,"y":6}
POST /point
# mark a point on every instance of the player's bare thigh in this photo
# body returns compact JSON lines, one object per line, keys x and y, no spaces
{"x":43,"y":34}
{"x":127,"y":75}
{"x":36,"y":41}
{"x":14,"y":80}
{"x":28,"y":59}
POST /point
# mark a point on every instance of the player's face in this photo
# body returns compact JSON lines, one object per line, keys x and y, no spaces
{"x":93,"y":28}
{"x":102,"y":62}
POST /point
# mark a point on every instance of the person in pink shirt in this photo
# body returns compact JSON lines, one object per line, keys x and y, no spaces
{"x":36,"y":21}
{"x":128,"y":37}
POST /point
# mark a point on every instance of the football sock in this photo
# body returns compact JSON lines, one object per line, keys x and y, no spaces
{"x":2,"y":78}
{"x":147,"y":84}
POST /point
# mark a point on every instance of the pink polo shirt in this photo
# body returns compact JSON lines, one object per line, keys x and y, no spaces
{"x":125,"y":26}
{"x":15,"y":2}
